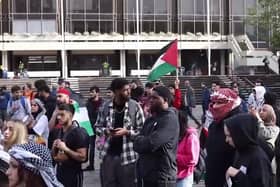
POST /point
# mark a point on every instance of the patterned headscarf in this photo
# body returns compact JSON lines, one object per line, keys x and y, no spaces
{"x":41,"y":106}
{"x":228,"y":99}
{"x":36,"y":159}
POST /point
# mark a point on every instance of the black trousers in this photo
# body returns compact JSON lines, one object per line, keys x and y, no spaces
{"x":91,"y":150}
{"x":113,"y":174}
{"x":145,"y":183}
{"x":188,"y":111}
{"x":70,"y":177}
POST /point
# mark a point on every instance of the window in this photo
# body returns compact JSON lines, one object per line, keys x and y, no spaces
{"x":76,"y":6}
{"x":19,"y":6}
{"x":92,"y":6}
{"x":187,"y":6}
{"x":49,"y":6}
{"x":106,"y":6}
{"x":35,"y":6}
{"x":238,"y":7}
{"x":148,"y":6}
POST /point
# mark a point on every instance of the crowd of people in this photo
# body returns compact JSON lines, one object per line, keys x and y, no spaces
{"x":142,"y":135}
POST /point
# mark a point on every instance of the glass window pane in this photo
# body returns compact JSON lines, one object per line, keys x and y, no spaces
{"x":131,"y":27}
{"x":78,"y":26}
{"x":200,"y":7}
{"x":49,"y":6}
{"x":238,"y":28}
{"x":187,"y":6}
{"x":93,"y":26}
{"x":148,"y":26}
{"x":251,"y":31}
{"x":34,"y":26}
{"x":215,"y":7}
{"x":251,"y":3}
{"x":106,"y":6}
{"x":92,"y":6}
{"x":106,"y":26}
{"x":76,"y":6}
{"x":215,"y":27}
{"x":238,"y":7}
{"x":148,"y":6}
{"x":19,"y":26}
{"x":161,"y":27}
{"x":19,"y":6}
{"x":161,"y":6}
{"x":49,"y":26}
{"x":188,"y":27}
{"x":200,"y":27}
{"x":34,"y":6}
{"x":131,"y":6}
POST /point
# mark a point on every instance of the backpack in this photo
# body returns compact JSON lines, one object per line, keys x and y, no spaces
{"x":22,"y":102}
{"x":200,"y":167}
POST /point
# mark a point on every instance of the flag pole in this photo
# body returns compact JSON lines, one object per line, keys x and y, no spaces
{"x":137,"y":31}
{"x":208,"y":33}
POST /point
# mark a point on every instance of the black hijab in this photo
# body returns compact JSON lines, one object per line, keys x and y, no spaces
{"x":243,"y":129}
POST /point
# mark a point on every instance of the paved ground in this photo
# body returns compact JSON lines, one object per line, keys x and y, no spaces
{"x":91,"y":179}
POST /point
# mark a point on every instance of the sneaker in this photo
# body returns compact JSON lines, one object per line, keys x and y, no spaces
{"x":89,"y":168}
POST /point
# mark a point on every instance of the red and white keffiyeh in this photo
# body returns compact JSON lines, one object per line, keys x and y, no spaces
{"x":222,"y":102}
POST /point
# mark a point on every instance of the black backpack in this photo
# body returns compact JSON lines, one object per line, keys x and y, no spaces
{"x":200,"y":167}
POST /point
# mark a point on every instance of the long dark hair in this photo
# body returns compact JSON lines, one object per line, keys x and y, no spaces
{"x":183,"y":121}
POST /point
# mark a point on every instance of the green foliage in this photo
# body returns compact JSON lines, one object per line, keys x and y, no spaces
{"x":266,"y":15}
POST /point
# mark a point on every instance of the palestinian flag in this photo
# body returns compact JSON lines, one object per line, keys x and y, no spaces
{"x":81,"y":116}
{"x":166,"y":63}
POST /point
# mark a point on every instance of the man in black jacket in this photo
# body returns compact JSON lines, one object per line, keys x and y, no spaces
{"x":93,"y":106}
{"x":157,"y":143}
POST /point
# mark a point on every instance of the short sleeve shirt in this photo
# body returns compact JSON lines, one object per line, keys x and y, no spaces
{"x":76,"y":138}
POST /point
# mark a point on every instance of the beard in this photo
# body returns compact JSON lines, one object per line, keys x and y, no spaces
{"x":124,"y":98}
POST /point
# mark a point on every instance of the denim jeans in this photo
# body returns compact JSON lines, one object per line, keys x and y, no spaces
{"x":185,"y":182}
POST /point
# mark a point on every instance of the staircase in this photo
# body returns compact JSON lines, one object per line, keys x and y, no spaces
{"x":247,"y":58}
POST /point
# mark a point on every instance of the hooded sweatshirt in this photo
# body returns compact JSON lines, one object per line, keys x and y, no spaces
{"x":187,"y":154}
{"x":252,"y":162}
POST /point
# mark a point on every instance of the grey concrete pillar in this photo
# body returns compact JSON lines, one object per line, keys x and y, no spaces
{"x":122,"y":61}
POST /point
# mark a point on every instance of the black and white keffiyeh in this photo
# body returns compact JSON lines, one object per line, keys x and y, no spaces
{"x":4,"y":161}
{"x":36,"y":158}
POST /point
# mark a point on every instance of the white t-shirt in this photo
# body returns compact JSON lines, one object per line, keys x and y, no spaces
{"x":42,"y":127}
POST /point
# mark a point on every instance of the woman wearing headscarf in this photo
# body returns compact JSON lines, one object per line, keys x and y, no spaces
{"x":256,"y":98}
{"x":251,"y":166}
{"x":38,"y":129}
{"x":30,"y":166}
{"x":223,"y":104}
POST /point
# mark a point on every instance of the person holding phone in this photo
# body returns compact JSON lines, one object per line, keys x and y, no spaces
{"x":120,"y":120}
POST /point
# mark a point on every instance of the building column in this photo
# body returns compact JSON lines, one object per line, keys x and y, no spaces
{"x":231,"y":64}
{"x":64,"y":64}
{"x":222,"y":61}
{"x":179,"y":58}
{"x":122,"y":63}
{"x":5,"y":60}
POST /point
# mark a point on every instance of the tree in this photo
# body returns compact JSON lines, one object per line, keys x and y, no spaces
{"x":266,"y":15}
